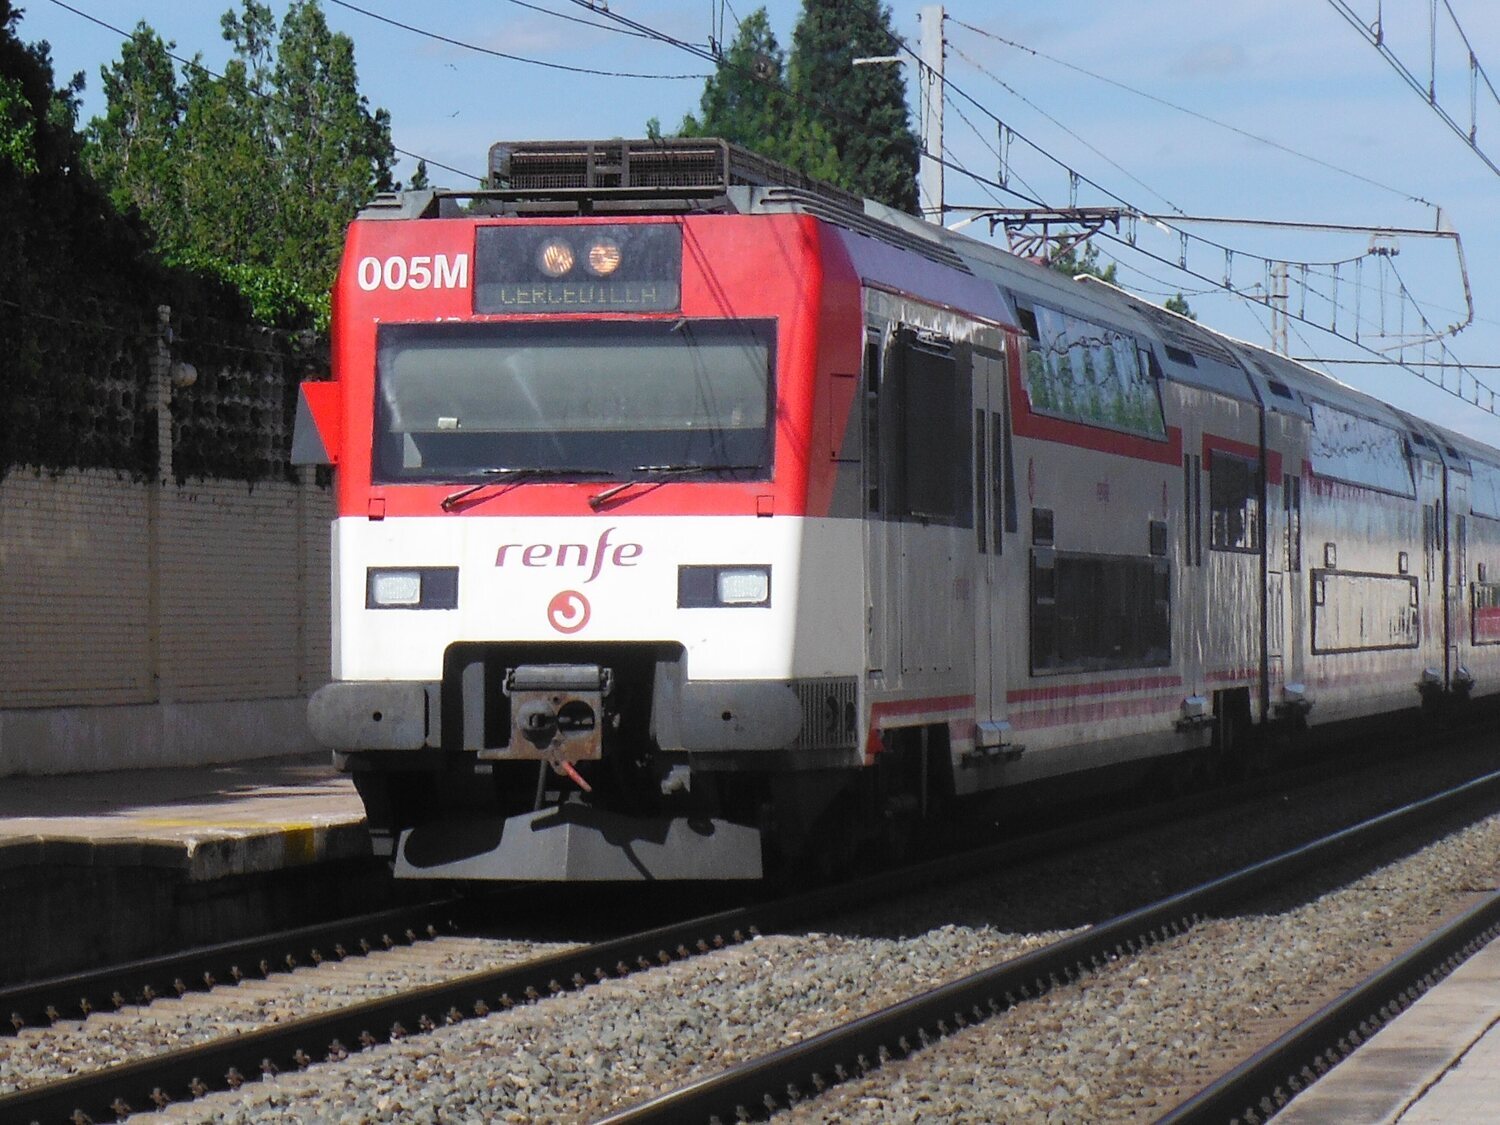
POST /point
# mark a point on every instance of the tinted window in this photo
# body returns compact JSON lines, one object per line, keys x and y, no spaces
{"x":1234,"y":503}
{"x":455,"y":400}
{"x":932,"y":435}
{"x":1096,"y":612}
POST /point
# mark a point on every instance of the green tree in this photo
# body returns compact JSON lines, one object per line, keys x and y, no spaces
{"x":1074,"y":262}
{"x":254,"y":174}
{"x":859,"y":112}
{"x":819,"y":113}
{"x":17,"y":127}
{"x":747,"y":101}
{"x":132,"y":148}
{"x":1179,"y":305}
{"x":333,"y":152}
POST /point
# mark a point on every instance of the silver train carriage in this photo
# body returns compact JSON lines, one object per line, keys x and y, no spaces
{"x":694,"y":518}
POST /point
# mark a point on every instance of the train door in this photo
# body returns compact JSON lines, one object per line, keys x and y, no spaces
{"x":1459,"y":635}
{"x":1430,"y":579}
{"x":1191,"y":641}
{"x":991,"y":422}
{"x":926,"y":386}
{"x":1294,"y":601}
{"x":882,"y":619}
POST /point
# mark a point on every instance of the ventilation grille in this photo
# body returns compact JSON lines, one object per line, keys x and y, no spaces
{"x":1177,"y":332}
{"x":830,"y":717}
{"x":671,"y":167}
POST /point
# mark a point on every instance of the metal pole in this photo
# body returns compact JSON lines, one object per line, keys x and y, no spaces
{"x":930,"y":78}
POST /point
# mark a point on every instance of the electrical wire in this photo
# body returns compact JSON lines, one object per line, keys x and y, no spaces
{"x":452,"y":42}
{"x":1086,"y":144}
{"x":575,"y":19}
{"x":1375,"y":36}
{"x":196,"y":65}
{"x":1228,"y":252}
{"x":1193,"y":113}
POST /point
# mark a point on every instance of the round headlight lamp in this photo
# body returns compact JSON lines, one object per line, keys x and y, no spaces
{"x":604,"y":257}
{"x":555,"y":257}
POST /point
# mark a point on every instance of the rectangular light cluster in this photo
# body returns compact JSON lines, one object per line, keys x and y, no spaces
{"x":411,"y":587}
{"x":706,"y":587}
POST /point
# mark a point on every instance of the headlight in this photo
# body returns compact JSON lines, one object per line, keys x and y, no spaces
{"x":705,"y":587}
{"x":745,"y":586}
{"x":555,"y":258}
{"x":604,"y":257}
{"x":428,"y":587}
{"x":395,"y":587}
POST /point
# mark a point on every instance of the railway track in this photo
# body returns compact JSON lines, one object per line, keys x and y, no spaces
{"x":1266,"y":1081}
{"x":179,"y":1075}
{"x":784,"y":1078}
{"x":78,"y":995}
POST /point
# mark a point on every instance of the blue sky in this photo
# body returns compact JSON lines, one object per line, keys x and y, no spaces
{"x":1293,"y":72}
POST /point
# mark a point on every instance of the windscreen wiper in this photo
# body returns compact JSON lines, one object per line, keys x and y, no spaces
{"x":649,"y":473}
{"x":517,"y":475}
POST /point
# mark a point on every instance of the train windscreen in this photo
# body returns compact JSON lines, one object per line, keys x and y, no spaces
{"x":588,"y":399}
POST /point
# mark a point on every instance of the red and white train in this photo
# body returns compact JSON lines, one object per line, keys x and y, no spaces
{"x":692,"y":517}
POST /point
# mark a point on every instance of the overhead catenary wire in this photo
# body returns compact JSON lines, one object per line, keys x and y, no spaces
{"x":575,"y":19}
{"x":1075,"y":177}
{"x":1376,"y":37}
{"x":1247,"y":134}
{"x":1228,"y":252}
{"x":508,"y":56}
{"x":1081,"y":140}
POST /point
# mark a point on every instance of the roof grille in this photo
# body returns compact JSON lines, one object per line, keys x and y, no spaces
{"x":1178,"y":331}
{"x":673,"y":167}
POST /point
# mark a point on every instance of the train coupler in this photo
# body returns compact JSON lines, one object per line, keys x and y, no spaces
{"x":557,"y":714}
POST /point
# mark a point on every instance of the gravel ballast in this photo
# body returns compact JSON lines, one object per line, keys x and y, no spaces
{"x":1121,"y":1044}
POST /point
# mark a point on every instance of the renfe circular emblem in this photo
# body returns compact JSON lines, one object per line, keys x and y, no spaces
{"x":568,"y":612}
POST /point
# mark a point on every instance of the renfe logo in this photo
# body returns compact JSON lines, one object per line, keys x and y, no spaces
{"x":568,"y":612}
{"x":571,"y":554}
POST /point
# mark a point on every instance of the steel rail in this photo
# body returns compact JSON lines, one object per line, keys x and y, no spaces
{"x":77,"y":995}
{"x":229,"y":1062}
{"x":1266,"y":1081}
{"x":192,"y":1071}
{"x":226,"y":1063}
{"x":763,"y":1085}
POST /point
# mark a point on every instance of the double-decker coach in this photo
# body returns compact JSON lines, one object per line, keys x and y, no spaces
{"x":694,"y":517}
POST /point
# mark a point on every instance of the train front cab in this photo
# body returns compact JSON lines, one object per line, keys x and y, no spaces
{"x":564,"y":592}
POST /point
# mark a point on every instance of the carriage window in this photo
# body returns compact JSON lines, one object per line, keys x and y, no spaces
{"x":1486,"y":616}
{"x":1359,"y":450}
{"x":1097,"y":612}
{"x":1291,"y":502}
{"x":934,"y":480}
{"x":1090,"y":373}
{"x":1363,"y":612}
{"x":1234,"y":503}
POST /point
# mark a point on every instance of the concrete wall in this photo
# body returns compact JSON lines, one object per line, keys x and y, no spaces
{"x":148,"y":623}
{"x":145,"y":624}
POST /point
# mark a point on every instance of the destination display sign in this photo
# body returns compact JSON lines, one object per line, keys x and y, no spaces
{"x":596,"y":267}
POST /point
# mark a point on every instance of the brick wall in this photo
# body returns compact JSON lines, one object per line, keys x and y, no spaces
{"x":147,"y":608}
{"x":147,"y":623}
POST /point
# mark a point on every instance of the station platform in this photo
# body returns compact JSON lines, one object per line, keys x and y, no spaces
{"x":105,"y":867}
{"x":208,"y":822}
{"x":1437,"y":1062}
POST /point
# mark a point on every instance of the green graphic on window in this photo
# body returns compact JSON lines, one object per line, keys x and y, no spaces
{"x":1084,"y":372}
